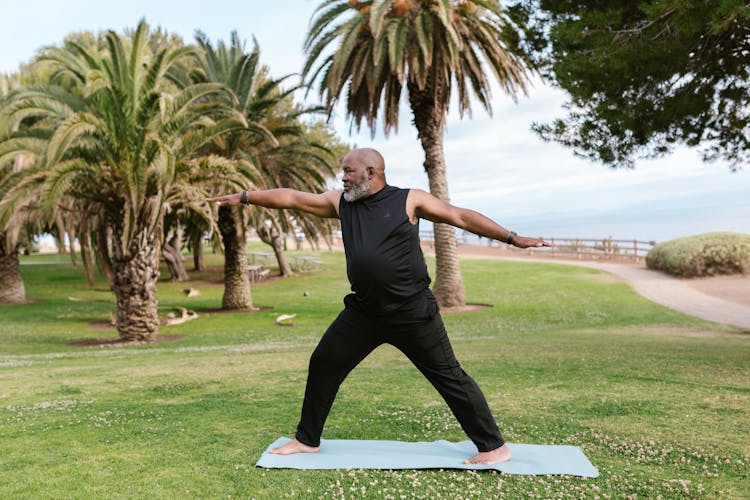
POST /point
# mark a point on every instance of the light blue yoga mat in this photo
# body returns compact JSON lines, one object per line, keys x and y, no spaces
{"x":527,"y":459}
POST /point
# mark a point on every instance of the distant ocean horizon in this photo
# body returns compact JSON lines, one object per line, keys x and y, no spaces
{"x":657,"y":226}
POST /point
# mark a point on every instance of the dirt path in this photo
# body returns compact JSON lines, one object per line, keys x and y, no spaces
{"x":723,"y":299}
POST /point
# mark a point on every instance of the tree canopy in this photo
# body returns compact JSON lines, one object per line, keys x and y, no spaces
{"x":644,"y":76}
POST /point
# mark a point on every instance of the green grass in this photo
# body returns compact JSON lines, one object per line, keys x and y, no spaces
{"x":660,"y":402}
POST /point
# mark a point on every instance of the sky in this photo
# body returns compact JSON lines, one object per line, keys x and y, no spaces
{"x":495,"y":164}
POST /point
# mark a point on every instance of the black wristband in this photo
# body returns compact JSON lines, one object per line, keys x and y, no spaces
{"x":509,"y":239}
{"x":243,"y":198}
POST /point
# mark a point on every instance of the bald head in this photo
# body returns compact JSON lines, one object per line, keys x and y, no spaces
{"x":368,"y":157}
{"x":364,"y":173}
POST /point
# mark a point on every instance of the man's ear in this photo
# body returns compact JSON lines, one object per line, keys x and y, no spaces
{"x":370,"y":172}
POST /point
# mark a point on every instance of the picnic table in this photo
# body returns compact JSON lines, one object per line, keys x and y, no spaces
{"x":307,"y":262}
{"x":263,"y":258}
{"x":256,"y":272}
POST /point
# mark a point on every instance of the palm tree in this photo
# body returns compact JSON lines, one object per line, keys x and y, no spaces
{"x":303,"y":159}
{"x":240,"y":72}
{"x":172,"y":246}
{"x":196,"y":233}
{"x":429,"y":46}
{"x":272,"y":143}
{"x":122,"y":136}
{"x":12,"y":290}
{"x":21,"y":214}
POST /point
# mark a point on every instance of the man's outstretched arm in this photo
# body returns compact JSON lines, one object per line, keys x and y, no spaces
{"x":423,"y":205}
{"x":323,"y":204}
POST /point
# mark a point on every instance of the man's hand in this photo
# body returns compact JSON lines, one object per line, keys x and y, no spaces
{"x":227,"y":199}
{"x":526,"y":242}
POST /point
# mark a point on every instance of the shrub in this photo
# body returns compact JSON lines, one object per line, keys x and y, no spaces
{"x":706,"y":254}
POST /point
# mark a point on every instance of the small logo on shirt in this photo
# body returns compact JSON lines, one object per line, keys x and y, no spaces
{"x":387,"y":214}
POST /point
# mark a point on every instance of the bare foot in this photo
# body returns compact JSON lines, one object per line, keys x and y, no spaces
{"x":294,"y":446}
{"x":495,"y":456}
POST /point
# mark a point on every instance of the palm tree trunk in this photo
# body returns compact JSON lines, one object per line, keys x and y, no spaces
{"x":12,"y":290}
{"x":71,"y":232}
{"x":197,"y":245}
{"x":429,"y":118}
{"x":237,"y":293}
{"x":285,"y":270}
{"x":87,"y":254}
{"x":173,"y":257}
{"x":272,"y":236}
{"x":59,"y":234}
{"x":135,"y":277}
{"x":103,"y":247}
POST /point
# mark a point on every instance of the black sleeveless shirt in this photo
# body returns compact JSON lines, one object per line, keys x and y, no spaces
{"x":384,"y":261}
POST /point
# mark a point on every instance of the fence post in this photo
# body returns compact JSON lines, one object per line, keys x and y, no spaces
{"x":635,"y":251}
{"x":553,"y":247}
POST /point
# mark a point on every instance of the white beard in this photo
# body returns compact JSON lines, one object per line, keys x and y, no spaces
{"x":358,"y":191}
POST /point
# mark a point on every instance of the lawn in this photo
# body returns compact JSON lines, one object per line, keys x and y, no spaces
{"x":659,"y":401}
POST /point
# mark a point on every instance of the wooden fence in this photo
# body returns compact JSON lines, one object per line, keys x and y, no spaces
{"x":566,"y":248}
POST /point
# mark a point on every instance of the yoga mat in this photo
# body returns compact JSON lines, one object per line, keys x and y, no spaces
{"x":526,"y":459}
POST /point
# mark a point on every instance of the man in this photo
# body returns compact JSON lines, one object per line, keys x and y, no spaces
{"x":391,"y":302}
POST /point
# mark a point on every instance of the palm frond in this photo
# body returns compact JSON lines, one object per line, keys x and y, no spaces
{"x":136,"y":61}
{"x":314,"y":53}
{"x":378,"y":12}
{"x":41,"y":102}
{"x":29,"y":141}
{"x":117,"y":59}
{"x":176,"y":111}
{"x":323,"y":20}
{"x":396,"y":33}
{"x":68,"y":132}
{"x":59,"y":179}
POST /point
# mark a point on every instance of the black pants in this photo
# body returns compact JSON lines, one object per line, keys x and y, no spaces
{"x":419,"y":333}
